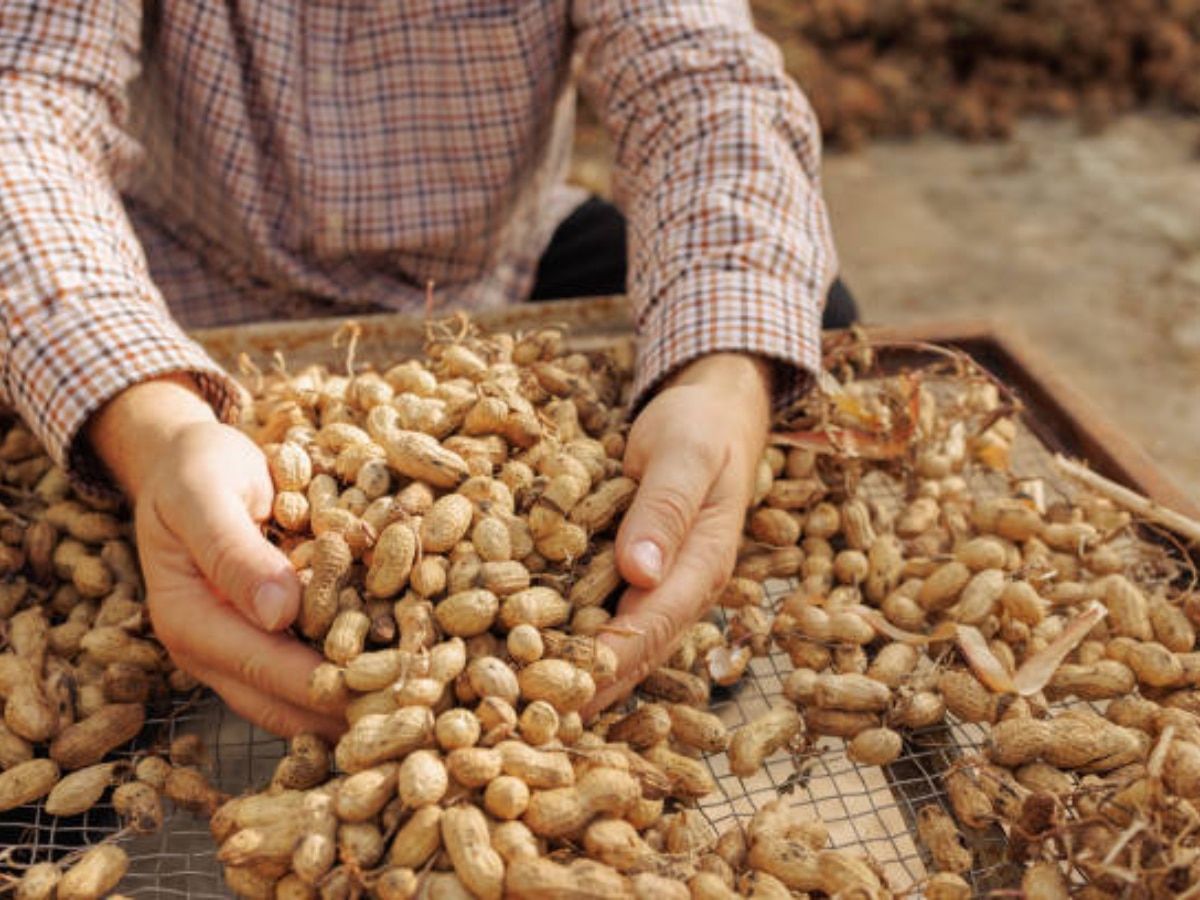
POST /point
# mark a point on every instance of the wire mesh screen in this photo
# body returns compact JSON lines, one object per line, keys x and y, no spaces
{"x":871,"y":809}
{"x":861,"y":805}
{"x":178,"y":860}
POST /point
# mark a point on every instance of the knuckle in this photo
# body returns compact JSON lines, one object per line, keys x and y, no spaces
{"x":221,"y":561}
{"x":693,"y":445}
{"x":721,"y":568}
{"x":703,"y":455}
{"x":670,"y":511}
{"x":662,"y":630}
{"x":642,"y":668}
{"x":254,"y":671}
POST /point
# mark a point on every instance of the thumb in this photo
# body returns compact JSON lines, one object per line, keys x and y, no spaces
{"x":671,"y":492}
{"x":242,"y":566}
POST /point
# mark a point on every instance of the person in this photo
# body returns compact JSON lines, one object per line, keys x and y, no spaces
{"x":167,"y":166}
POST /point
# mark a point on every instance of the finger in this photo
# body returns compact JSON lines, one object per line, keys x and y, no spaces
{"x":243,"y":566}
{"x":645,"y":632}
{"x":214,"y":640}
{"x":270,"y":713}
{"x":649,"y":624}
{"x":672,"y":490}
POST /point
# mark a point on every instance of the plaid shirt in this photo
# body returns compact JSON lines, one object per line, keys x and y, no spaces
{"x":196,"y":164}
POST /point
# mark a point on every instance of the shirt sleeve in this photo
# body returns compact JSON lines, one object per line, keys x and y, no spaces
{"x":81,"y":319}
{"x":717,"y":170}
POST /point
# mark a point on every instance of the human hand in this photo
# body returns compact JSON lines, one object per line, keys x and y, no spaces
{"x":217,"y":591}
{"x":694,"y":450}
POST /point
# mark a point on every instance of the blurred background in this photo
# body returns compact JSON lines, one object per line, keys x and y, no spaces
{"x":1034,"y":162}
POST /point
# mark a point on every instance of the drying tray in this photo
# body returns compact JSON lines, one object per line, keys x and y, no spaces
{"x":870,"y":808}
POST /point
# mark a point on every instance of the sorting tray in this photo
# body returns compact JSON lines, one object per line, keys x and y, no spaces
{"x":865,"y":807}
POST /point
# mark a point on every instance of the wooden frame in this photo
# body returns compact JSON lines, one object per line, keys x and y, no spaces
{"x":1059,"y":414}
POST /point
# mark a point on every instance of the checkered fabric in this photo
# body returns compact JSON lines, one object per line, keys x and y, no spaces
{"x":172,"y":165}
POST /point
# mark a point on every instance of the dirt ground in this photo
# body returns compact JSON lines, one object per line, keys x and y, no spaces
{"x":1089,"y":246}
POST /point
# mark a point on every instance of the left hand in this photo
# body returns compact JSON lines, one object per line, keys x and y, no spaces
{"x":694,"y":449}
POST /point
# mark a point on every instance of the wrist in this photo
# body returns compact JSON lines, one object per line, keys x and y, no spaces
{"x":133,"y":429}
{"x":741,"y":372}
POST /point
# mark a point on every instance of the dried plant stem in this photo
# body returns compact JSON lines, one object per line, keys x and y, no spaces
{"x":1125,"y":837}
{"x":1131,"y":500}
{"x":350,"y":332}
{"x":1158,"y":757}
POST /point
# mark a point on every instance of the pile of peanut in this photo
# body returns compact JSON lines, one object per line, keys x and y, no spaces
{"x":1049,"y":623}
{"x":452,"y":521}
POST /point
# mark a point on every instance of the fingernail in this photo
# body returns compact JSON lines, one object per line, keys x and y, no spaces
{"x":270,"y":605}
{"x":648,"y":557}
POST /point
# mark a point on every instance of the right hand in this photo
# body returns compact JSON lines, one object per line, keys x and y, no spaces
{"x":219,"y":594}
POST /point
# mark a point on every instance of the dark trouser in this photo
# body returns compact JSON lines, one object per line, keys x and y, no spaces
{"x":586,"y":258}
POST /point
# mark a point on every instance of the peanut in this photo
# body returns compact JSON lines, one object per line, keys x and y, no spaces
{"x":96,"y":873}
{"x":752,"y":743}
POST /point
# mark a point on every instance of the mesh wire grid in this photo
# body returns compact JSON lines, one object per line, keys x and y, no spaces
{"x":871,"y":809}
{"x":178,"y":860}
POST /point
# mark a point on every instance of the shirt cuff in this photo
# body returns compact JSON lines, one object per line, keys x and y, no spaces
{"x":65,"y":367}
{"x":733,"y":313}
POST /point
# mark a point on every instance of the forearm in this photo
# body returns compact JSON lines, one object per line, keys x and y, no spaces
{"x":83,"y":321}
{"x":717,"y":169}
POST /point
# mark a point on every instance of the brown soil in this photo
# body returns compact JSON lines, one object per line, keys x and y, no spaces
{"x":896,"y":68}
